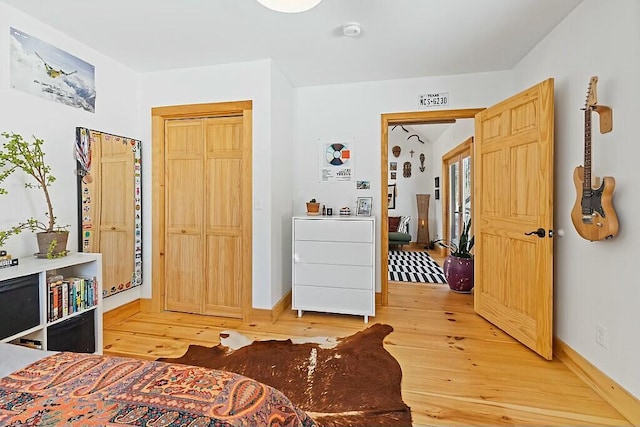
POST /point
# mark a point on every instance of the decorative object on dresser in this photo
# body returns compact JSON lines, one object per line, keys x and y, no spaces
{"x":423,"y":218}
{"x":345,"y":211}
{"x":458,"y":265}
{"x":364,"y":206}
{"x":56,"y":303}
{"x":17,"y":153}
{"x":313,"y":207}
{"x":593,"y":215}
{"x":334,"y":265}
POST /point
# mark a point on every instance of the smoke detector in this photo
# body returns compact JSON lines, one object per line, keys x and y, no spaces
{"x":352,"y":29}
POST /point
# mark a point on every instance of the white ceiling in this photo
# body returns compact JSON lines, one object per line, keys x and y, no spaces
{"x":400,"y":38}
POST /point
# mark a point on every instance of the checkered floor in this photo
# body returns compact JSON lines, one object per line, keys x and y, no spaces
{"x":408,"y":266}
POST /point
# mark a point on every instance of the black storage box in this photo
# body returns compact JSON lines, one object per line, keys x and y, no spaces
{"x":19,"y":305}
{"x":76,"y":334}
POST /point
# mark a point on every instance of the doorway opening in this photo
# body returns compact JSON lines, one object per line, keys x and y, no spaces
{"x":388,"y":121}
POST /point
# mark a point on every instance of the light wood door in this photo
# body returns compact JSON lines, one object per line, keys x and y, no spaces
{"x":513,"y":189}
{"x":457,"y":189}
{"x":203,"y":215}
{"x":223,"y":219}
{"x":184,"y":227}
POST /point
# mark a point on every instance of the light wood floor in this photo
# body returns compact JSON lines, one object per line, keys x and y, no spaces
{"x":457,"y":368}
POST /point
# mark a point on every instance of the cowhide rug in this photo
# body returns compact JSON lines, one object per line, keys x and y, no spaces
{"x":350,"y":381}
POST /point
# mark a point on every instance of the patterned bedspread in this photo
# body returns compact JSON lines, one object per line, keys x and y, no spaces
{"x":71,"y":389}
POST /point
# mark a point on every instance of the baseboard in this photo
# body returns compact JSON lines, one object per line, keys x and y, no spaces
{"x":146,"y":305}
{"x":266,"y":315}
{"x":118,"y":314}
{"x":281,"y":306}
{"x":623,"y":401}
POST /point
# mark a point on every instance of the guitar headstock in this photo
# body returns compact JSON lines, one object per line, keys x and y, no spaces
{"x":592,"y":94}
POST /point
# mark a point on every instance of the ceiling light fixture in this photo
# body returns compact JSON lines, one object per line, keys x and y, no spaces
{"x":289,"y":6}
{"x":351,"y":29}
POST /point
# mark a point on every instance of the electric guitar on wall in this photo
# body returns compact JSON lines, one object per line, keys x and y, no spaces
{"x":592,"y":214}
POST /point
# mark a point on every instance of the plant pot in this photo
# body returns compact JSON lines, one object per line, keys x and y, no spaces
{"x":57,"y":241}
{"x":313,"y":208}
{"x":459,"y":273}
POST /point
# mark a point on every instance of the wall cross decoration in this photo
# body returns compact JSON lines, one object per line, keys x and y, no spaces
{"x":411,"y":152}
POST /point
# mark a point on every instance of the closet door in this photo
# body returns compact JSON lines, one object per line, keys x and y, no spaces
{"x":223,"y":220}
{"x":184,"y":210}
{"x":204,"y":182}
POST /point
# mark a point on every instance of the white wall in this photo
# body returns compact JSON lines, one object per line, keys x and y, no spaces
{"x":116,"y":112}
{"x":417,"y":183}
{"x":232,"y":82}
{"x":596,"y":283}
{"x":351,"y":112}
{"x":281,"y":183}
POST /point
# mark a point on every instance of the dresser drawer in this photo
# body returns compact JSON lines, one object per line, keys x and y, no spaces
{"x":345,"y":253}
{"x":334,"y":300}
{"x":334,"y":276}
{"x":333,"y":230}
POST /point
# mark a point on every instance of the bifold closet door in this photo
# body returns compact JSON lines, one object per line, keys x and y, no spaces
{"x":223,"y":221}
{"x":184,"y":210}
{"x":203,"y":178}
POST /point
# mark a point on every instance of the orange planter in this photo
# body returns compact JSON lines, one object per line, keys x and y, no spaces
{"x":313,"y":208}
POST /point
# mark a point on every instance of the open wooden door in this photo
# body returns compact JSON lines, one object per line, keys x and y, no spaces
{"x":513,"y":206}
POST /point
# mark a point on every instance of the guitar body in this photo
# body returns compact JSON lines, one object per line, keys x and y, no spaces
{"x":593,"y":215}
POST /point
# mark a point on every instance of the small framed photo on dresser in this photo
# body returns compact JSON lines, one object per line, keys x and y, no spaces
{"x":363,"y":206}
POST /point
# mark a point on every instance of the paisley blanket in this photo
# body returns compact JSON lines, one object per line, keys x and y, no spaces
{"x":74,"y":389}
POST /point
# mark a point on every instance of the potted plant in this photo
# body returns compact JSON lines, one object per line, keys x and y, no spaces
{"x":458,"y":265}
{"x":18,"y":154}
{"x":313,"y":207}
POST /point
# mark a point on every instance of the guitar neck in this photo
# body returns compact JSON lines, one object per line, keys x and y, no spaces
{"x":586,"y":187}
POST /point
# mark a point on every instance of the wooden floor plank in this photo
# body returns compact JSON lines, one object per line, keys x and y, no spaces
{"x":458,"y":369}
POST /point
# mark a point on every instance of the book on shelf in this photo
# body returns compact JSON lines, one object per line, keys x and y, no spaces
{"x":70,"y":295}
{"x":28,"y":342}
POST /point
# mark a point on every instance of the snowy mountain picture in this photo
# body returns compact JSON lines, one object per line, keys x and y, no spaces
{"x":44,"y":70}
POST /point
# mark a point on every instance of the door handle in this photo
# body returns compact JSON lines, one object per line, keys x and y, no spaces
{"x":539,"y":232}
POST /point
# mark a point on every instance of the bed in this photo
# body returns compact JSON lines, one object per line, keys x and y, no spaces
{"x":75,"y":389}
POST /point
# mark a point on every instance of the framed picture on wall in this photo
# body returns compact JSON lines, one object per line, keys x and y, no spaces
{"x":363,"y":206}
{"x":393,"y":166}
{"x":436,"y":181}
{"x":437,"y":195}
{"x":391,"y":196}
{"x":393,"y":175}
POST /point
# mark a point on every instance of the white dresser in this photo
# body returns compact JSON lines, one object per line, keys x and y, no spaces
{"x":334,"y":264}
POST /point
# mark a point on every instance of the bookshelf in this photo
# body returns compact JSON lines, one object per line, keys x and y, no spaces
{"x":17,"y":304}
